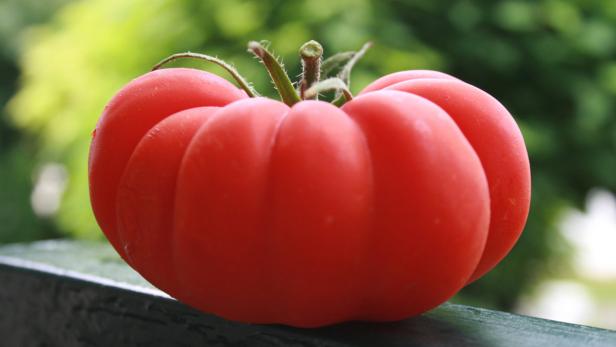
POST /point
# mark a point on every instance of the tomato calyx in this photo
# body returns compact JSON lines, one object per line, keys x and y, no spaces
{"x":336,"y":84}
{"x":281,"y":79}
{"x":313,"y":67}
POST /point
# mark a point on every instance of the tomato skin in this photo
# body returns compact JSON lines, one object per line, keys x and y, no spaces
{"x":430,"y":199}
{"x":307,"y":216}
{"x":403,"y":76}
{"x":222,"y":207}
{"x":129,"y":115}
{"x":496,"y":138}
{"x":144,"y":223}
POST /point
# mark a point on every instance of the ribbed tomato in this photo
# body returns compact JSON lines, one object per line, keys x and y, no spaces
{"x":311,"y":214}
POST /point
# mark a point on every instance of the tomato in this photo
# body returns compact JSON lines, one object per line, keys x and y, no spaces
{"x":312,"y":214}
{"x":496,"y":139}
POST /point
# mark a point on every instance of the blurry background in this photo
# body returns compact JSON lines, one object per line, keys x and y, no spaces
{"x":552,"y":63}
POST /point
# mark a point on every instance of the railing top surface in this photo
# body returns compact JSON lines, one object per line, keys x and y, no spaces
{"x":83,"y":277}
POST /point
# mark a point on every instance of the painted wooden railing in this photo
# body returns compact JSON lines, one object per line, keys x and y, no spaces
{"x":68,"y":293}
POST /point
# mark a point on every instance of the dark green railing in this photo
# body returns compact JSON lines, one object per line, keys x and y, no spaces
{"x":67,"y":293}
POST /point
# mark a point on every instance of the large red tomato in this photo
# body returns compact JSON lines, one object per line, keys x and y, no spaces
{"x":312,"y":214}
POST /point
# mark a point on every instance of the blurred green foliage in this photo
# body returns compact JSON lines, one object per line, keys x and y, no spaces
{"x":551,"y":62}
{"x":17,"y":220}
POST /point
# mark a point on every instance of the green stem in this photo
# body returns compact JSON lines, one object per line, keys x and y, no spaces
{"x":240,"y":80}
{"x":345,"y":73}
{"x":311,"y":53}
{"x":330,"y":84}
{"x":281,"y":80}
{"x":335,"y":61}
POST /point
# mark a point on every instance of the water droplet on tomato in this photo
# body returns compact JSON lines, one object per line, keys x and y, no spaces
{"x":129,"y":250}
